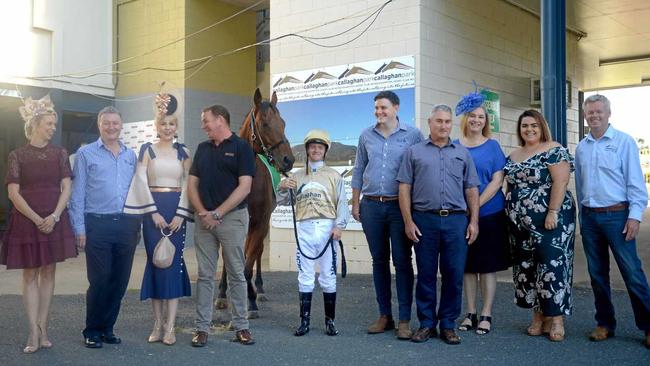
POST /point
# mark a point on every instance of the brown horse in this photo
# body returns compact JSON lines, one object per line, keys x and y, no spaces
{"x":263,"y":128}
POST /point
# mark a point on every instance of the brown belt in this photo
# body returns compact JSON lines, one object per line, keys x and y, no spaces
{"x":381,"y":198}
{"x":165,"y":189}
{"x":613,"y":208}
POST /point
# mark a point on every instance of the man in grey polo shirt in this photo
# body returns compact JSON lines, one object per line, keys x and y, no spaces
{"x":438,"y":185}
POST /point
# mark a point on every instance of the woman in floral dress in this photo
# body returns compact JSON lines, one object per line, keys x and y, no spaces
{"x":542,"y":225}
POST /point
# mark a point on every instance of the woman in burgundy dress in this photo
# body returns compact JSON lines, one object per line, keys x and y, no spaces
{"x":39,"y":233}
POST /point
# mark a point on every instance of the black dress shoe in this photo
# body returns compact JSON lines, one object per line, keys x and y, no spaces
{"x":111,"y":339}
{"x":93,"y":342}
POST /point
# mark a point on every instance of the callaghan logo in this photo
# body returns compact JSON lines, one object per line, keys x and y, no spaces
{"x":309,"y":195}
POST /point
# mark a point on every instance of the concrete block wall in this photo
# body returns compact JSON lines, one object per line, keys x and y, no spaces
{"x":143,"y":26}
{"x":454,"y":42}
{"x":497,"y":45}
{"x":395,"y":33}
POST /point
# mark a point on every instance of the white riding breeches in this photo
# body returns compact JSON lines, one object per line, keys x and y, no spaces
{"x":314,"y":236}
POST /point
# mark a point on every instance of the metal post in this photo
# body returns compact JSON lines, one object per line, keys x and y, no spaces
{"x":553,"y":78}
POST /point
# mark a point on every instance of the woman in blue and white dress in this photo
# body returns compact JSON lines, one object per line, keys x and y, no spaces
{"x":159,"y":192}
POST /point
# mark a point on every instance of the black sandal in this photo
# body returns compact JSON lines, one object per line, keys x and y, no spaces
{"x":472,"y":318}
{"x":483,"y":331}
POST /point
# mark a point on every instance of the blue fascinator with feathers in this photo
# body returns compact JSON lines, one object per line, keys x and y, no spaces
{"x":470,"y":101}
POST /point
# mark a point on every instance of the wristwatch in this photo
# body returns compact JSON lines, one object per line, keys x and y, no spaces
{"x":56,"y":218}
{"x":216,"y":216}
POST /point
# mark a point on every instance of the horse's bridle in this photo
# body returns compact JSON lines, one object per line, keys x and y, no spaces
{"x":268,"y":151}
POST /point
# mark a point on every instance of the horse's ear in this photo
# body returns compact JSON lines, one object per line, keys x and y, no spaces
{"x":257,"y":98}
{"x":274,"y":99}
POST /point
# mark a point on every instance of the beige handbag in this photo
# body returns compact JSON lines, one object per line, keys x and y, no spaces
{"x":163,"y":253}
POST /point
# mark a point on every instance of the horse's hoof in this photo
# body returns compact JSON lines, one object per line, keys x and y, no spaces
{"x":262,"y":297}
{"x":252,"y":314}
{"x":221,"y":304}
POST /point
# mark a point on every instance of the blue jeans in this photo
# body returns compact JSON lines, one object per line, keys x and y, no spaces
{"x":442,"y":237}
{"x":384,"y":228}
{"x":603,"y":230}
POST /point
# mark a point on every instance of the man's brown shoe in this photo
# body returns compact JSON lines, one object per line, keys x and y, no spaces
{"x":423,"y":335}
{"x":244,"y":337}
{"x":600,"y":334}
{"x":382,"y":324}
{"x":200,"y":339}
{"x":647,"y":339}
{"x":449,"y":336}
{"x":404,"y":330}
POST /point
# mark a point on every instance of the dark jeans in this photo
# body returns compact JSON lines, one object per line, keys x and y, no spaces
{"x":384,"y":228}
{"x":442,"y":237}
{"x":110,"y":246}
{"x":603,"y":230}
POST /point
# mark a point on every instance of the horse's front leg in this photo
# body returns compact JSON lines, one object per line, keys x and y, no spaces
{"x":222,"y":300}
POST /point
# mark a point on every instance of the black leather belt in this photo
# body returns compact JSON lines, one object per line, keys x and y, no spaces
{"x":115,"y":216}
{"x":445,"y":213}
{"x":382,"y":198}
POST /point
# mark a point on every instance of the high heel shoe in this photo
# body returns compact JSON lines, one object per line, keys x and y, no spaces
{"x":31,"y":348}
{"x":170,"y":337}
{"x":156,"y":333}
{"x":556,"y":334}
{"x":483,"y":330}
{"x":537,"y":325}
{"x":473,"y":322}
{"x":43,"y":339}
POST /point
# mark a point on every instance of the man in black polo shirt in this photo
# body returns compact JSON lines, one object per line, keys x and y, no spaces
{"x":219,"y":182}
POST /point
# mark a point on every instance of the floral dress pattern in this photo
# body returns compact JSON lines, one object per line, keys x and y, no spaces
{"x":542,"y":259}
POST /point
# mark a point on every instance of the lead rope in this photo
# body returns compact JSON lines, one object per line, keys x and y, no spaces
{"x":330,"y":242}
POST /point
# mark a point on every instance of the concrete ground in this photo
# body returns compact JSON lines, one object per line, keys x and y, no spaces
{"x":507,"y":344}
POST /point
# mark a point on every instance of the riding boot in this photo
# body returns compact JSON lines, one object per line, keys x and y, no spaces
{"x":305,"y":310}
{"x":329,"y":299}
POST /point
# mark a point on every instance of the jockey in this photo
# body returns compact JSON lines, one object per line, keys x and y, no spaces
{"x":321,"y":214}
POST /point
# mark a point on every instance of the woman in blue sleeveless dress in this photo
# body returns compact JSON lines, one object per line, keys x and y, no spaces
{"x":158,"y":191}
{"x":490,"y":253}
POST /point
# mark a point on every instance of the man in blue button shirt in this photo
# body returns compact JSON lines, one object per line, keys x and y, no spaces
{"x":102,"y":176}
{"x":379,"y":155}
{"x":612,"y":196}
{"x":438,"y":184}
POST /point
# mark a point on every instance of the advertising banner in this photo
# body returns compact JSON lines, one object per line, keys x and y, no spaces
{"x":339,"y":99}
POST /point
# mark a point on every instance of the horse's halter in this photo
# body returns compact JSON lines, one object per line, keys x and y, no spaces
{"x":268,"y":151}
